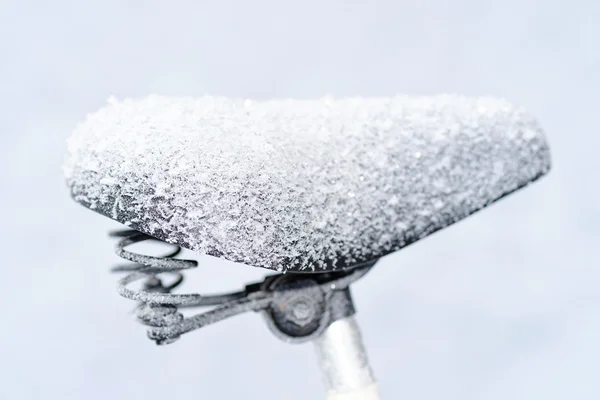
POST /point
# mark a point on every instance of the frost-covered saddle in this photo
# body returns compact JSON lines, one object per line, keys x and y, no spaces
{"x":301,"y":185}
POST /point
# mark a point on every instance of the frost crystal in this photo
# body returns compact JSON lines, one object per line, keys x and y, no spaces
{"x":300,"y":184}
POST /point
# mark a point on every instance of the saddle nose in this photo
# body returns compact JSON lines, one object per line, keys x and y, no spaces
{"x":301,"y":185}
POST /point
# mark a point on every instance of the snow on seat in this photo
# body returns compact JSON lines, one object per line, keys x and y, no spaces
{"x":301,"y":185}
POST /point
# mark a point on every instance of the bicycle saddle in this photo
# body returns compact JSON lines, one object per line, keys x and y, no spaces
{"x":301,"y":185}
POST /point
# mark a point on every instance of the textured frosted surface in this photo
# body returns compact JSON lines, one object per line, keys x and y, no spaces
{"x":301,"y":184}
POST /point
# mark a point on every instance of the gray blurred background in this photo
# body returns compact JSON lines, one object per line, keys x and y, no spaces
{"x":503,"y":305}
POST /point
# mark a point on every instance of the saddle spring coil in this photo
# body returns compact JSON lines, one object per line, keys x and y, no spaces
{"x":158,"y":307}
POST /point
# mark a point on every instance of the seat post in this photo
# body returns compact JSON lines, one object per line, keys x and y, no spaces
{"x":341,"y":354}
{"x":344,"y":363}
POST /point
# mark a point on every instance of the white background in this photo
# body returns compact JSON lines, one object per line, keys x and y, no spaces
{"x":504,"y":305}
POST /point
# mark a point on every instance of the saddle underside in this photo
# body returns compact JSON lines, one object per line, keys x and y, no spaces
{"x":301,"y":185}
